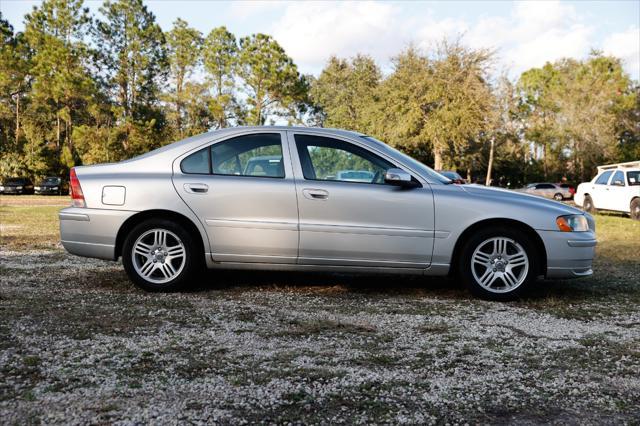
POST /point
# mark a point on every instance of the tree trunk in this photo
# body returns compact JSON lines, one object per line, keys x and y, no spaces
{"x":490,"y":165}
{"x":58,"y":132}
{"x":17,"y":117}
{"x":437,"y":158}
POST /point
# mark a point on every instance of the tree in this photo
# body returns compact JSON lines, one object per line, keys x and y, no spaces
{"x":576,"y":111}
{"x":184,"y":55}
{"x":345,"y":92}
{"x":220,"y":62}
{"x":270,"y":78}
{"x":14,"y":82}
{"x":134,"y":63}
{"x":62,"y":86}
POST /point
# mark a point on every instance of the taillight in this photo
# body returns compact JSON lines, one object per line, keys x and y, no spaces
{"x":77,"y":197}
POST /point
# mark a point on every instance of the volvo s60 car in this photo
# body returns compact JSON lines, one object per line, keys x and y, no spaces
{"x":278,"y":198}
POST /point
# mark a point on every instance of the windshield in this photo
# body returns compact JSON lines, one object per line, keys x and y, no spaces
{"x":11,"y":181}
{"x":52,"y":180}
{"x":423,"y":169}
{"x":633,"y":177}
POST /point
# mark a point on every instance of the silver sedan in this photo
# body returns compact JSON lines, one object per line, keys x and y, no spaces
{"x":286,"y":198}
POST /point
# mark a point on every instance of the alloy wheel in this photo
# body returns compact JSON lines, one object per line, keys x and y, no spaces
{"x":158,"y":255}
{"x":499,"y":265}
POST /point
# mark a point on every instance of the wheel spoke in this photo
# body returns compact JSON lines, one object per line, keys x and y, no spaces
{"x":509,"y":279}
{"x":175,"y":251}
{"x":160,"y":238}
{"x":143,"y":249}
{"x":487,"y":278}
{"x":168,"y":270}
{"x":148,"y":268}
{"x":518,"y":259}
{"x":482,"y":258}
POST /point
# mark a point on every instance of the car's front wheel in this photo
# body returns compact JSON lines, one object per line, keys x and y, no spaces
{"x":635,"y":209}
{"x":558,"y":197}
{"x":160,"y":255}
{"x":498,"y":263}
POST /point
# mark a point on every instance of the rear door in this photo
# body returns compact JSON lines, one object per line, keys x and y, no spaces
{"x":348,"y":215}
{"x":242,"y":190}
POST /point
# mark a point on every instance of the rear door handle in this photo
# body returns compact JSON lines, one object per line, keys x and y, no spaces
{"x":315,"y":194}
{"x":196,"y":188}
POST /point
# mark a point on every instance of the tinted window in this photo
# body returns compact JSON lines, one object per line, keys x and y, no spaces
{"x":332,"y":159}
{"x":196,"y":163}
{"x":251,"y":155}
{"x":544,"y":186}
{"x":618,"y":177}
{"x":603,"y":178}
{"x":633,"y":178}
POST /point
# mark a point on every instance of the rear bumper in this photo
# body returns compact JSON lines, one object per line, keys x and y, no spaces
{"x":569,"y":254}
{"x":91,"y":232}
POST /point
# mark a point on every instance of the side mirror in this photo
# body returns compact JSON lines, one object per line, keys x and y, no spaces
{"x":399,"y":177}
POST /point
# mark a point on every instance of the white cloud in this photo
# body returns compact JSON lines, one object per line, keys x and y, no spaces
{"x":626,"y":45}
{"x":528,"y":35}
{"x":313,"y":31}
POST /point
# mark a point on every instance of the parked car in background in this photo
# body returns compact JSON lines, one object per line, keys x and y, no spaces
{"x":570,"y":188}
{"x":616,"y":187}
{"x":455,"y":177}
{"x":16,"y":185}
{"x":548,"y":190}
{"x":193,"y":203}
{"x":52,"y":185}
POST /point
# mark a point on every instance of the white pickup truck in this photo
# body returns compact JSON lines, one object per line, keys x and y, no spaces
{"x":616,"y":188}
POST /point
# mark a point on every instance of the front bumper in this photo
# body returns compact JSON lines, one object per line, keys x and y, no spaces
{"x":12,"y":190}
{"x":91,"y":232}
{"x":46,"y":190}
{"x":569,"y":254}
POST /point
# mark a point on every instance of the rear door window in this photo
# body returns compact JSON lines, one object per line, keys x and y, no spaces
{"x":617,"y":179}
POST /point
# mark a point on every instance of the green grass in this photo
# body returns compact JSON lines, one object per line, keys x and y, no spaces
{"x":29,"y":227}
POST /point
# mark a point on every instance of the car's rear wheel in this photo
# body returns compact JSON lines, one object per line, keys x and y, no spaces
{"x":498,"y":263}
{"x":160,"y":255}
{"x":635,"y":209}
{"x":558,"y":197}
{"x":587,"y":204}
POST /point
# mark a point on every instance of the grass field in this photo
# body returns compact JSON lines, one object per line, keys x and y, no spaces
{"x":79,"y":344}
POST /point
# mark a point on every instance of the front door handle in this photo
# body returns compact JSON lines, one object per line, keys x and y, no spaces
{"x":196,"y":188}
{"x":315,"y":194}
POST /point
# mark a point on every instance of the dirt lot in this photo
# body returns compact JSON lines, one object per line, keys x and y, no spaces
{"x":79,"y":344}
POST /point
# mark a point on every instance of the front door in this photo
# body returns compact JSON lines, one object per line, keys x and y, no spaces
{"x":349,"y":216}
{"x":242,"y":190}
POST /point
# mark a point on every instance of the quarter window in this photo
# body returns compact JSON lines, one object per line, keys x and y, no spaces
{"x":197,"y":163}
{"x":335,"y":160}
{"x":604,"y":178}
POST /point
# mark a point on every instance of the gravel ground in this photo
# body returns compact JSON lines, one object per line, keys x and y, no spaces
{"x":80,"y":345}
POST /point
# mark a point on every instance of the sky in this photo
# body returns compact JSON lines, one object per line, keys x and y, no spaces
{"x":525,"y":34}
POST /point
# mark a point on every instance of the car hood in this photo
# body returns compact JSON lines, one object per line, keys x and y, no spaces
{"x":511,"y":197}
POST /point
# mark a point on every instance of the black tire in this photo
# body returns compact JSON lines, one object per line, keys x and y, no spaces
{"x":193,"y":257}
{"x":587,"y":205}
{"x":558,"y":197}
{"x":635,"y":209}
{"x":479,"y":239}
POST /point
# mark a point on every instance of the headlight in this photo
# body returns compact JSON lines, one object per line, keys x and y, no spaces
{"x":1,"y":188}
{"x":55,"y":188}
{"x":37,"y":188}
{"x":18,"y":187}
{"x":572,"y":223}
